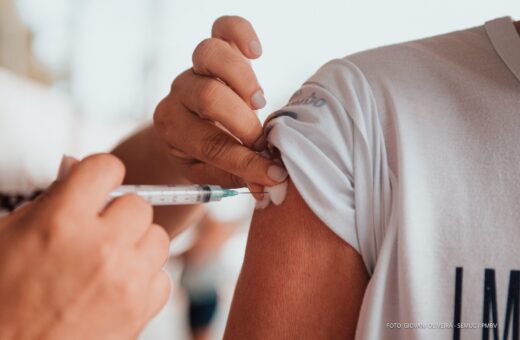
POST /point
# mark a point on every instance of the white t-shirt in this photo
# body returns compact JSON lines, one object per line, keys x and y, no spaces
{"x":410,"y":154}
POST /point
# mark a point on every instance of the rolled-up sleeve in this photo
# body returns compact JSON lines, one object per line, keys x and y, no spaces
{"x":331,"y":142}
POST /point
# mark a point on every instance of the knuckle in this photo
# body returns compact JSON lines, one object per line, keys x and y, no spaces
{"x":125,"y":289}
{"x":128,"y":287}
{"x":131,"y":309}
{"x":59,"y":218}
{"x":57,"y":221}
{"x":104,"y":252}
{"x":208,"y":95}
{"x":163,"y":239}
{"x":237,"y":20}
{"x":221,"y":21}
{"x":164,"y":123}
{"x":229,"y":21}
{"x":162,"y":288}
{"x":138,"y":206}
{"x":237,"y":62}
{"x":174,"y":86}
{"x":113,"y":277}
{"x":137,"y":319}
{"x":203,"y":53}
{"x":102,"y":159}
{"x":157,"y":245}
{"x":252,"y":130}
{"x":215,"y":145}
{"x":178,"y":81}
{"x":122,"y":287}
{"x":159,"y":115}
{"x":102,"y":255}
{"x":248,"y":161}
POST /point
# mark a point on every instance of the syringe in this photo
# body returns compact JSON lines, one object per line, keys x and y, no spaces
{"x":175,"y":194}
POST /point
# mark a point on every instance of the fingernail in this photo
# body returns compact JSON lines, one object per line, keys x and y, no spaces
{"x":278,"y":161}
{"x":277,"y":173}
{"x":258,"y":100}
{"x":260,"y":144}
{"x":65,"y":166}
{"x":255,"y":48}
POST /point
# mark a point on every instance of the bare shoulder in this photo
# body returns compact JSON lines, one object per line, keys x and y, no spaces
{"x":293,"y":227}
{"x":299,"y":279}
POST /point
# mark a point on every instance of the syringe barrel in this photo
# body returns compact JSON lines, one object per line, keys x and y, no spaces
{"x":172,"y":194}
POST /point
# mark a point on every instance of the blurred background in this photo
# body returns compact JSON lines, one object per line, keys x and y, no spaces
{"x":77,"y":76}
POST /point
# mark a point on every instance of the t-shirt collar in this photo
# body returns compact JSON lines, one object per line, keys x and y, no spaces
{"x":506,"y":41}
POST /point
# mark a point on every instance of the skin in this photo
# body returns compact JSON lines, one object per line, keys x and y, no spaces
{"x":61,"y":282}
{"x":299,"y":279}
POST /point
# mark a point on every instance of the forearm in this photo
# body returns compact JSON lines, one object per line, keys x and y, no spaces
{"x":147,"y":162}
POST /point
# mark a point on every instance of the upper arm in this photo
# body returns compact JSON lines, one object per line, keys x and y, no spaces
{"x":299,"y":279}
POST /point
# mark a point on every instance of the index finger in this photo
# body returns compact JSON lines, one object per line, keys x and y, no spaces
{"x":238,"y":32}
{"x":88,"y":184}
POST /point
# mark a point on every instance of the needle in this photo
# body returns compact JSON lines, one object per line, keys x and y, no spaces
{"x":252,"y":192}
